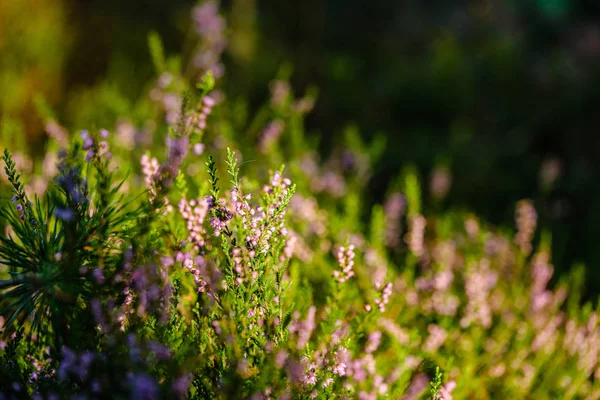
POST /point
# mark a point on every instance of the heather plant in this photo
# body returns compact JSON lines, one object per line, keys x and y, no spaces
{"x":174,"y":256}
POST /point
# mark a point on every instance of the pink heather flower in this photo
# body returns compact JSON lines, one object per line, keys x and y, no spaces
{"x":208,"y":101}
{"x":373,"y":341}
{"x":528,"y":372}
{"x":310,"y":378}
{"x":207,"y":20}
{"x":178,"y":150}
{"x":416,"y":387}
{"x":304,"y":329}
{"x":331,"y":182}
{"x":296,"y":372}
{"x":167,"y":261}
{"x":480,"y":280}
{"x":443,"y":279}
{"x":541,"y":272}
{"x":339,"y":333}
{"x":445,"y":392}
{"x":280,"y":92}
{"x":526,"y":218}
{"x":270,"y":134}
{"x":497,"y":370}
{"x":360,"y":369}
{"x":550,"y":171}
{"x":341,"y":360}
{"x":445,"y":303}
{"x":380,"y":385}
{"x":444,"y":253}
{"x":306,"y":209}
{"x":57,"y":132}
{"x":280,"y":358}
{"x":546,"y":338}
{"x":362,"y":395}
{"x":210,"y":27}
{"x":327,"y":382}
{"x":171,"y":104}
{"x":198,"y":149}
{"x":385,"y":297}
{"x":471,"y":227}
{"x":394,"y":210}
{"x":194,"y":213}
{"x":435,"y":340}
{"x":126,"y":134}
{"x":440,"y":183}
{"x":290,"y":245}
{"x":257,"y":221}
{"x":394,"y":330}
{"x":150,"y":168}
{"x":197,"y":268}
{"x":345,"y":257}
{"x":416,"y":237}
{"x":303,"y":105}
{"x":541,"y":297}
{"x":196,"y":120}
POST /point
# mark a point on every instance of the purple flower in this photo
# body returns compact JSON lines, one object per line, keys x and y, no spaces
{"x":210,"y":201}
{"x":64,"y":214}
{"x":270,"y":134}
{"x":178,"y":149}
{"x":89,"y":155}
{"x":198,"y":149}
{"x":167,"y":261}
{"x":96,"y":386}
{"x":97,"y":273}
{"x":208,"y":101}
{"x":526,"y":219}
{"x":143,"y":387}
{"x":181,"y":385}
{"x":305,"y":328}
{"x":373,"y":342}
{"x":346,"y":262}
{"x":162,"y":352}
{"x":88,"y":142}
{"x":68,"y":361}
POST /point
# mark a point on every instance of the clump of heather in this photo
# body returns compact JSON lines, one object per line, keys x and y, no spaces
{"x":191,"y":264}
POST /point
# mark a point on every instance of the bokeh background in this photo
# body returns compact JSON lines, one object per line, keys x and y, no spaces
{"x":493,"y":101}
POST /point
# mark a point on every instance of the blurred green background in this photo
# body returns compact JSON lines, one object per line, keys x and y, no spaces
{"x":503,"y":94}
